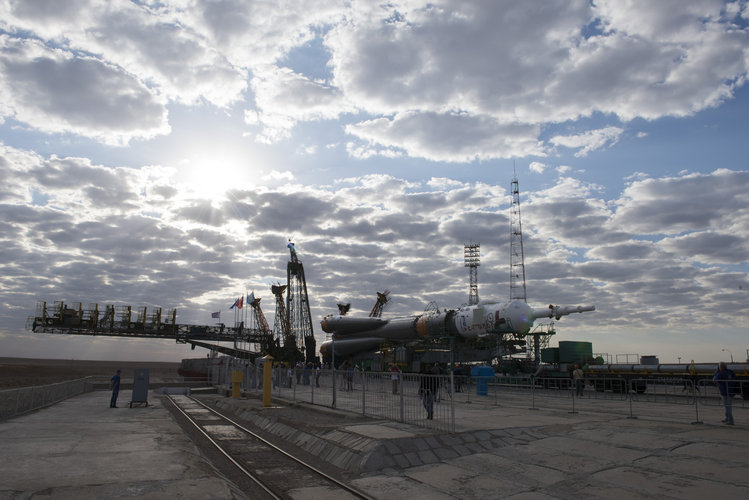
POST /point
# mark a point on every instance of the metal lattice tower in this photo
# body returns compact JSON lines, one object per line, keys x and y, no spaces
{"x":281,"y":327}
{"x":297,"y":305}
{"x":382,"y":299}
{"x":259,"y":324}
{"x":517,"y":260}
{"x":471,"y":253}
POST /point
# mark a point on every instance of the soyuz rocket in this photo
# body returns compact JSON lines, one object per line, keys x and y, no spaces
{"x":352,"y":335}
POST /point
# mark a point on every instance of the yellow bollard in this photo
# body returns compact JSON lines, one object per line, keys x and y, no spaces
{"x":267,"y":379}
{"x":236,"y":383}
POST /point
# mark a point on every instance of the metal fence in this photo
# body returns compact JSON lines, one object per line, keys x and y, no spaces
{"x":412,"y":399}
{"x":374,"y":394}
{"x":15,"y":402}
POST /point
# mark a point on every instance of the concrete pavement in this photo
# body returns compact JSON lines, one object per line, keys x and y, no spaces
{"x":511,"y":451}
{"x":80,"y":448}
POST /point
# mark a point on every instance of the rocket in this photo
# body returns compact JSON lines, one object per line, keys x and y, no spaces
{"x":352,"y":335}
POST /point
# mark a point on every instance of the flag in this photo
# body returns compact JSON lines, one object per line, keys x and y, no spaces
{"x":241,"y":303}
{"x":251,"y":297}
{"x":236,"y":304}
{"x":216,"y":315}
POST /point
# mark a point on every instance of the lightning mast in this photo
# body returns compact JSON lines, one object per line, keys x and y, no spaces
{"x":297,"y":305}
{"x":517,"y":260}
{"x":471,"y":253}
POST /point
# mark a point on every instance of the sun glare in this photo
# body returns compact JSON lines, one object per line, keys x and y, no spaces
{"x":211,"y":173}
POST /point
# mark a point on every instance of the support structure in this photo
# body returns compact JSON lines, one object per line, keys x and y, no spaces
{"x":517,"y":260}
{"x":259,"y":326}
{"x":382,"y":299}
{"x":297,"y":305}
{"x":471,"y":253}
{"x":282,"y":331}
{"x":117,"y":321}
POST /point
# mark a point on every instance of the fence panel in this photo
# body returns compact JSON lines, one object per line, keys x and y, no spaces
{"x":709,"y":393}
{"x":375,"y":394}
{"x":669,"y":390}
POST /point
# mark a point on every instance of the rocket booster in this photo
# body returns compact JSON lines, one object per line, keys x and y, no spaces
{"x":351,"y":334}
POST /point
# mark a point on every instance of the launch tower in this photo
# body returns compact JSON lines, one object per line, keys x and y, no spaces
{"x":297,"y":305}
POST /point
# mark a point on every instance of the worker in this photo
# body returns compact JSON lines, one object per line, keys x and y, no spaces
{"x":578,"y":377}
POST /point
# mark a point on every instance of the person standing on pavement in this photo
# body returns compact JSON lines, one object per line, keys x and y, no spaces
{"x":115,"y":384}
{"x":394,"y":376}
{"x":579,"y":378}
{"x":726,"y":388}
{"x":436,"y":371}
{"x":426,"y":393}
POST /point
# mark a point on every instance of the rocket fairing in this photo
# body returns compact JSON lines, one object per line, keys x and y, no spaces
{"x":351,"y":334}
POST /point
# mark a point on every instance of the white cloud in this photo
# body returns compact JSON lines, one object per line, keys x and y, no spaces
{"x":287,"y":97}
{"x":674,"y":205}
{"x":537,"y":167}
{"x":57,"y":92}
{"x":590,"y":140}
{"x":420,"y":72}
{"x":449,"y":138}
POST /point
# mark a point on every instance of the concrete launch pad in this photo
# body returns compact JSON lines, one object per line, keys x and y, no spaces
{"x":80,"y":448}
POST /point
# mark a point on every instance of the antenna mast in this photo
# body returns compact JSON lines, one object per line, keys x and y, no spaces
{"x":517,"y":260}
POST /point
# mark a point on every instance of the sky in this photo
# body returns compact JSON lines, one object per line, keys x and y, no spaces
{"x":163,"y":153}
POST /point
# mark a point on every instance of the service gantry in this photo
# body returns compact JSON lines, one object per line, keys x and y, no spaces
{"x":259,"y":324}
{"x":382,"y":299}
{"x":297,"y":305}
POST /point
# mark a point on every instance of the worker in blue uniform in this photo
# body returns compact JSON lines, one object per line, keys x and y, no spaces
{"x":723,"y":377}
{"x":115,"y":389}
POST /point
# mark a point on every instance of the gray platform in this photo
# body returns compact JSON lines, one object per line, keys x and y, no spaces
{"x":82,"y":449}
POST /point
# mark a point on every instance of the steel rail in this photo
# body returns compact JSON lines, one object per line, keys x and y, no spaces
{"x":301,"y":462}
{"x":239,"y":466}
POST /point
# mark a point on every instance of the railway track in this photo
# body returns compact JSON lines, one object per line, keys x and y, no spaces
{"x":258,"y":467}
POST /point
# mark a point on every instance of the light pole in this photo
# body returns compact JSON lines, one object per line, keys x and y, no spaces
{"x":729,"y":352}
{"x":679,"y":358}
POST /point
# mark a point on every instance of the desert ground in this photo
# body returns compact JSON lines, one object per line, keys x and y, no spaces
{"x":24,"y":372}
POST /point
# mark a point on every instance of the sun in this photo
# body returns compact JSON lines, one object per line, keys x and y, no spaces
{"x":209,"y":172}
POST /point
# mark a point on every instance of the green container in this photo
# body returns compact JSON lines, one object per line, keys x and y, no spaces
{"x":575,"y":352}
{"x":550,"y":355}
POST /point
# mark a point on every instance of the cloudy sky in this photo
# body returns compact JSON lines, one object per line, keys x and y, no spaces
{"x":162,"y":153}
